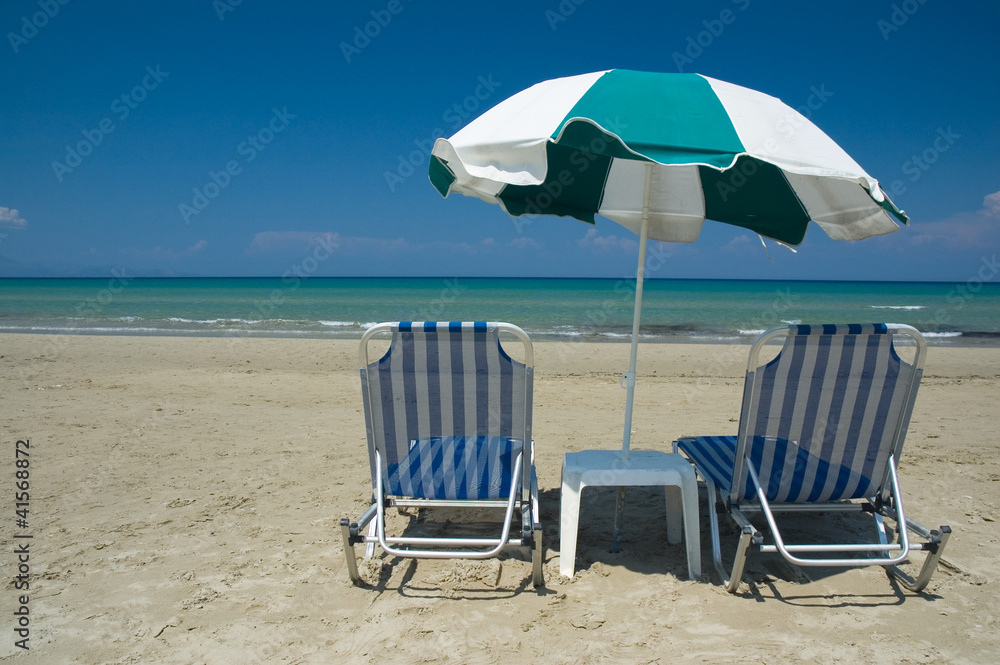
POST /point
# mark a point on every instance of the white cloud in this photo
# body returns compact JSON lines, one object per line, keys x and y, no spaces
{"x":303,"y":242}
{"x":524,"y":242}
{"x":741,"y":244}
{"x":963,"y":230}
{"x":593,"y":240}
{"x":282,"y":242}
{"x":444,"y":247}
{"x":11,"y":217}
{"x":164,"y":254}
{"x":992,"y":204}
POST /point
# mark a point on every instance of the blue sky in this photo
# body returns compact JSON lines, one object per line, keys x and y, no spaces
{"x":228,"y":137}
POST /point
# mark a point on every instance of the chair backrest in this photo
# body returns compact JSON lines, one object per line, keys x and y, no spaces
{"x":440,"y":380}
{"x":821,"y":420}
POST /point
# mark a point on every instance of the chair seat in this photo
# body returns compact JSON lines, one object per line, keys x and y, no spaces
{"x":714,"y":456}
{"x":456,"y":467}
{"x":795,"y":475}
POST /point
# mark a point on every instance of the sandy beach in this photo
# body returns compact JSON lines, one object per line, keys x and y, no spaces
{"x":186,"y":495}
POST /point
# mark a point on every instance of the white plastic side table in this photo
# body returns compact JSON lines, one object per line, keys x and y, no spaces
{"x":589,"y":468}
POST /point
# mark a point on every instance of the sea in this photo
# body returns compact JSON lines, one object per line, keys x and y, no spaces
{"x":673,"y":310}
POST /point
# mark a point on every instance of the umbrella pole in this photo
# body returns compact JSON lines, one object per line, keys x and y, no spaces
{"x":640,"y":274}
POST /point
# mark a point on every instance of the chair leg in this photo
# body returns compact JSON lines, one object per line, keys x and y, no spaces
{"x":370,"y":544}
{"x":713,"y":527}
{"x":730,"y":580}
{"x":739,"y":562}
{"x":352,"y":562}
{"x":937,"y":538}
{"x":537,"y":549}
{"x":883,"y":537}
{"x":537,"y":559}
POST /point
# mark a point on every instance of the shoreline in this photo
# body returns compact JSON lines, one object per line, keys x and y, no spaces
{"x":937,"y":340}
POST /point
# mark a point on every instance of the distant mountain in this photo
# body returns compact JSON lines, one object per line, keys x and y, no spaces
{"x":11,"y":268}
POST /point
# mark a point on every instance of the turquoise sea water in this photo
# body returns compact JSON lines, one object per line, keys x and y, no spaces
{"x":580,"y":309}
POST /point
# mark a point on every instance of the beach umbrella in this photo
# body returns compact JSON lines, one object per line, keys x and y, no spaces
{"x":659,"y":154}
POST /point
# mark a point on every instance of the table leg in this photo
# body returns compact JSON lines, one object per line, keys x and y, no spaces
{"x":616,"y":540}
{"x":692,"y":531}
{"x":569,"y":520}
{"x":675,"y":499}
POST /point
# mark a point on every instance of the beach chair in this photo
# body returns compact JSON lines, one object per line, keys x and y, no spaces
{"x":448,"y":419}
{"x":821,"y":429}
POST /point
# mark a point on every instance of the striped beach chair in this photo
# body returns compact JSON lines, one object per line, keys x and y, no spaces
{"x":448,"y":419}
{"x":821,"y":428}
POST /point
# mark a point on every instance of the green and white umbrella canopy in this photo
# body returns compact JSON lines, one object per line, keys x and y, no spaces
{"x":579,"y":146}
{"x":660,"y":153}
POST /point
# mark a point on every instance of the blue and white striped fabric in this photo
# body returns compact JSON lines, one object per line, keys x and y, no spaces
{"x":715,"y":456}
{"x":444,"y":386}
{"x":820,"y":420}
{"x":480,"y":467}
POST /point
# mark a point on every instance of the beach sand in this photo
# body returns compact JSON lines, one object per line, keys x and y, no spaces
{"x":186,"y":495}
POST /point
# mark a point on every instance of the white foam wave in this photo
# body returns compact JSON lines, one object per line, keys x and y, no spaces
{"x":211,"y":322}
{"x":347,"y":324}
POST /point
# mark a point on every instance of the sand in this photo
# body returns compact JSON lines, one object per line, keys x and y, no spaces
{"x":186,"y":495}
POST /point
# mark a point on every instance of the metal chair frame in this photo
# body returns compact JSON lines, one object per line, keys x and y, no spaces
{"x":886,"y":503}
{"x":522,"y":498}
